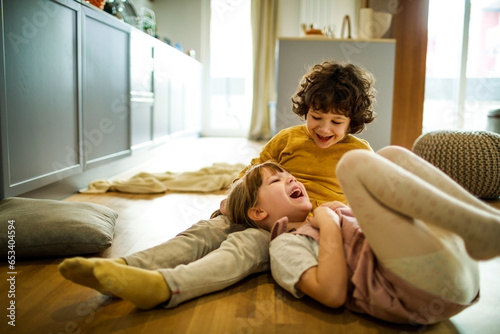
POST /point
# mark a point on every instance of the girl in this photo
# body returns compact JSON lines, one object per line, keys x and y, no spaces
{"x":412,"y":262}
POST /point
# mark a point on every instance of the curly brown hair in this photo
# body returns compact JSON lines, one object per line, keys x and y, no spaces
{"x":344,"y":88}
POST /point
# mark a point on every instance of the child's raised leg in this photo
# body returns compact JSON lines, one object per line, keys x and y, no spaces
{"x":427,"y":172}
{"x":407,"y":195}
{"x":391,"y":206}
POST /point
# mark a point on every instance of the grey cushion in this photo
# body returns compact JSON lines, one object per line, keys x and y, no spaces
{"x":45,"y":228}
{"x":471,"y":158}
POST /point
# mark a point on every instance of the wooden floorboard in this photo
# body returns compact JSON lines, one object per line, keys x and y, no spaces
{"x":46,"y":303}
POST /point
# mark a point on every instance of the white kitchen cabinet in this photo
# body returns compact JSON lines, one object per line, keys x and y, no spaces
{"x":177,"y":85}
{"x":142,"y":97}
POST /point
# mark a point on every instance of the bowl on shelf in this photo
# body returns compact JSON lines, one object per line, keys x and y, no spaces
{"x":98,"y":3}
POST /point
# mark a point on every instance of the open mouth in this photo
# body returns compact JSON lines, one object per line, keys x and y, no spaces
{"x":296,"y":193}
{"x":323,"y":138}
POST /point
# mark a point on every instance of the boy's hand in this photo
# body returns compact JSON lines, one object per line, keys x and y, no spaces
{"x":221,"y":211}
{"x":223,"y":206}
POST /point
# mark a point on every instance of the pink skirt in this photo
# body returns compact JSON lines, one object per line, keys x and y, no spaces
{"x":376,"y":290}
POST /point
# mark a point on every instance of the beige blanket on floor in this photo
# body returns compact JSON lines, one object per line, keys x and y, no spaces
{"x":217,"y":177}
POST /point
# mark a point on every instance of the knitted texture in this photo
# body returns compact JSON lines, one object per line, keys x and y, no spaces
{"x":471,"y":158}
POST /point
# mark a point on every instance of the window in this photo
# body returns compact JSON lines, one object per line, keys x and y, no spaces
{"x":463,"y":64}
{"x":229,"y":91}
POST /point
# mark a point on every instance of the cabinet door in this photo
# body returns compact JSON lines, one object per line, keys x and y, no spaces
{"x":141,"y":111}
{"x":106,"y":88}
{"x":163,"y":62}
{"x":141,"y":95}
{"x":39,"y":93}
{"x":184,"y":103}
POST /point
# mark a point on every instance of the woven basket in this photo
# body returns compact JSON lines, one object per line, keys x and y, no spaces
{"x":471,"y":158}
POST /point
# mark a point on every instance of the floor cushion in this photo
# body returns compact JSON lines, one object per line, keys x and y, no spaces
{"x":34,"y":228}
{"x":471,"y":158}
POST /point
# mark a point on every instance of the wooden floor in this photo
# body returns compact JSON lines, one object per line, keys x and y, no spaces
{"x":46,"y":303}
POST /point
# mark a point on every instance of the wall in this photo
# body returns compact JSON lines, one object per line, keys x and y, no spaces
{"x":187,"y":21}
{"x":182,"y":21}
{"x":138,"y":4}
{"x":321,"y":13}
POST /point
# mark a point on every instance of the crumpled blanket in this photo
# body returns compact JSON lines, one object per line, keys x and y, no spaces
{"x":217,"y":177}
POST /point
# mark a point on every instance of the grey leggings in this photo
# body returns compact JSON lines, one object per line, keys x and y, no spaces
{"x":209,"y":256}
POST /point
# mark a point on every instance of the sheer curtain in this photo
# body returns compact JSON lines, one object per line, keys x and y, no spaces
{"x":462,"y":82}
{"x":264,"y":32}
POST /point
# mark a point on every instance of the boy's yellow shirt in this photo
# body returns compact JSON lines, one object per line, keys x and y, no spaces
{"x":315,"y":167}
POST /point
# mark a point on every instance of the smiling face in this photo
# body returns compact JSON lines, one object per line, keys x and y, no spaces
{"x":326,"y":129}
{"x":281,"y":195}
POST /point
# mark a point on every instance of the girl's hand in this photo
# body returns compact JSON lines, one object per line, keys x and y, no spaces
{"x":328,"y":281}
{"x":323,"y":216}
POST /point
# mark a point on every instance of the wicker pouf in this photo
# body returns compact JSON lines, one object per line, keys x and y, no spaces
{"x":471,"y":158}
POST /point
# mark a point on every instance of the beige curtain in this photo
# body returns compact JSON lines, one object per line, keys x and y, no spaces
{"x":264,"y":32}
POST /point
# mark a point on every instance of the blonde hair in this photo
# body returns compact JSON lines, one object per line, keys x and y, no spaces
{"x":244,"y":193}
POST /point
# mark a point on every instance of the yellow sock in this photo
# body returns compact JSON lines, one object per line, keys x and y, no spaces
{"x":80,"y":270}
{"x":144,"y":288}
